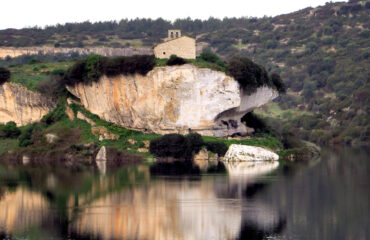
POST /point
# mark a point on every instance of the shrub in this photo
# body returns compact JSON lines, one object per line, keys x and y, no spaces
{"x":54,"y":116}
{"x":96,"y":66}
{"x":290,"y":140}
{"x":278,"y":82}
{"x":9,"y":130}
{"x":25,"y":138}
{"x":216,"y":147}
{"x":170,"y":145}
{"x":33,"y":61}
{"x":176,"y":145}
{"x":175,"y":60}
{"x":93,"y":66}
{"x":52,"y":86}
{"x":4,"y":75}
{"x":77,"y":73}
{"x":194,"y":142}
{"x":249,"y":74}
{"x":256,"y":123}
{"x":211,"y":57}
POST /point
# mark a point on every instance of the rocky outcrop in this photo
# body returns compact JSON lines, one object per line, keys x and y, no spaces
{"x":173,"y":100}
{"x":21,"y":105}
{"x":241,"y":153}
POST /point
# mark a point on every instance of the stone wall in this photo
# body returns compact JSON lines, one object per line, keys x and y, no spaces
{"x":182,"y":47}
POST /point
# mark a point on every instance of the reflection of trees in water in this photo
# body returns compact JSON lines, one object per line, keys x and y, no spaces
{"x":51,"y":201}
{"x":252,"y":231}
{"x":95,"y":207}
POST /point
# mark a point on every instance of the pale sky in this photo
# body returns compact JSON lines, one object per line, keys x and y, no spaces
{"x":26,"y":13}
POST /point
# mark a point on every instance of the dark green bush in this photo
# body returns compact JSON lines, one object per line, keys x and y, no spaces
{"x":9,"y":130}
{"x":278,"y":82}
{"x":176,"y":145}
{"x":95,"y":66}
{"x":194,"y":142}
{"x":54,"y":116}
{"x":249,"y":74}
{"x":211,"y":57}
{"x":216,"y":147}
{"x":25,"y":137}
{"x":33,"y":61}
{"x":290,"y":140}
{"x":4,"y":75}
{"x":52,"y":86}
{"x":256,"y":123}
{"x":77,"y":73}
{"x":175,"y":60}
{"x":170,"y":145}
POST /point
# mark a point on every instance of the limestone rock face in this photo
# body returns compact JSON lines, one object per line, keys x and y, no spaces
{"x":241,"y":153}
{"x":21,"y":105}
{"x":173,"y":99}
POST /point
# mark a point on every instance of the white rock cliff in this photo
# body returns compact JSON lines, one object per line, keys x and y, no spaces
{"x":173,"y":99}
{"x":21,"y":105}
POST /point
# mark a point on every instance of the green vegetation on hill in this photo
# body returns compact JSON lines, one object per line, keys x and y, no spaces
{"x":30,"y":75}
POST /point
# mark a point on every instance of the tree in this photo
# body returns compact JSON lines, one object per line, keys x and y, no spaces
{"x":308,"y":90}
{"x":249,"y":74}
{"x":278,"y":82}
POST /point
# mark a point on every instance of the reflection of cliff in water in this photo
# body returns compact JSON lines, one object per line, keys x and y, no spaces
{"x":164,"y":208}
{"x":22,"y":209}
{"x":180,"y":209}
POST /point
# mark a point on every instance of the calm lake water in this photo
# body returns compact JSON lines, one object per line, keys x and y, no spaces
{"x":327,"y":198}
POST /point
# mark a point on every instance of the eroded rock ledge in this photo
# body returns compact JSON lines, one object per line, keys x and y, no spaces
{"x":21,"y":105}
{"x":173,"y":99}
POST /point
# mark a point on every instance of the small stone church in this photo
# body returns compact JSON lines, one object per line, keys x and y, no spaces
{"x":175,"y":44}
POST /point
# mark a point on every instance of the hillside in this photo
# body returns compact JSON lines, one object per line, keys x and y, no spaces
{"x":322,"y":54}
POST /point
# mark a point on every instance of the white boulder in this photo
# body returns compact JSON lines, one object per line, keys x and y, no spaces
{"x":241,"y":153}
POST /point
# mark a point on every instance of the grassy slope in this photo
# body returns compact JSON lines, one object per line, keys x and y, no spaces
{"x":29,"y":75}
